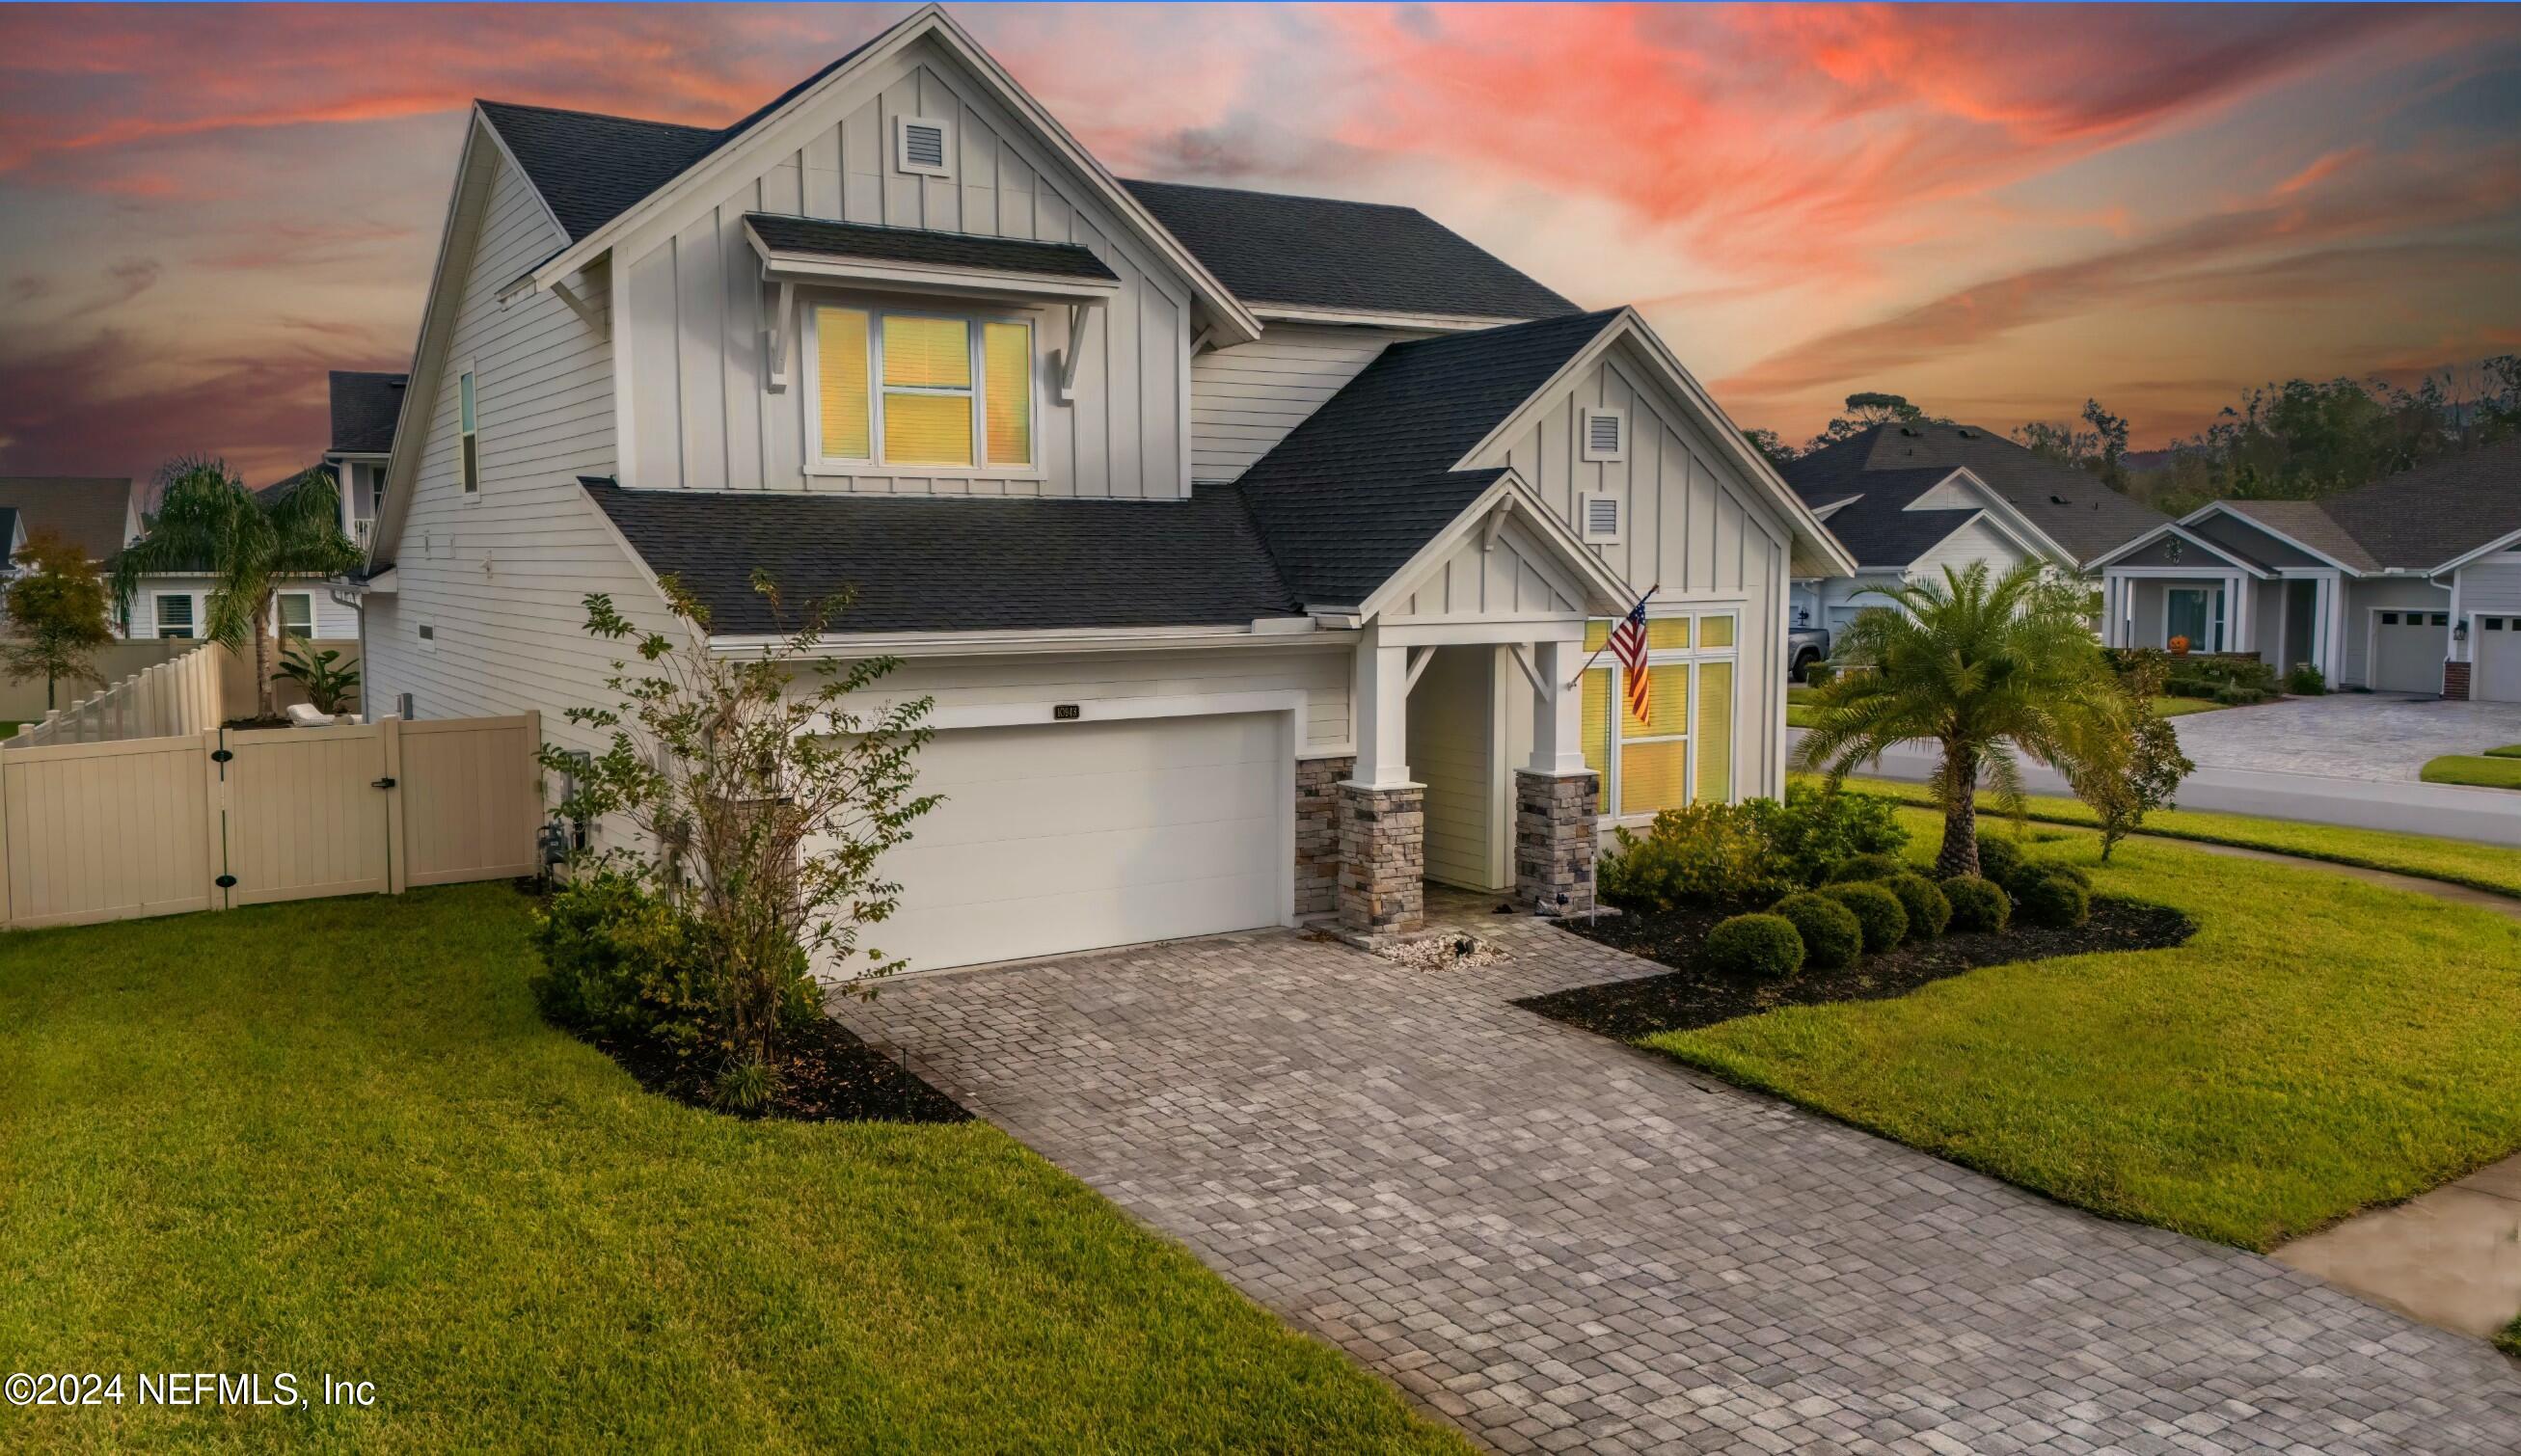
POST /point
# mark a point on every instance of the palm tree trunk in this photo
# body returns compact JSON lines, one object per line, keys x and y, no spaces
{"x":1959,"y":854}
{"x":267,"y":700}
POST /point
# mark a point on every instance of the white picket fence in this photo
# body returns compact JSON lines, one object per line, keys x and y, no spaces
{"x":179,"y":696}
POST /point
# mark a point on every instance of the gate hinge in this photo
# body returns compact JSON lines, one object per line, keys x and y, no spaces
{"x":381,"y":783}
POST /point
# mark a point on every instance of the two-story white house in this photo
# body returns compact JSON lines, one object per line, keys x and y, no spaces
{"x":1250,"y":545}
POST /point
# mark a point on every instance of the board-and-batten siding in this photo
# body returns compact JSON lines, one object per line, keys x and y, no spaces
{"x":703,"y":416}
{"x":1245,"y":398}
{"x":1451,"y":725}
{"x":1322,"y":673}
{"x":1691,"y":525}
{"x":502,"y":576}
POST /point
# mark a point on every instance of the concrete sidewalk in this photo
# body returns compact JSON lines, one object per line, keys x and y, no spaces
{"x":2486,"y":816}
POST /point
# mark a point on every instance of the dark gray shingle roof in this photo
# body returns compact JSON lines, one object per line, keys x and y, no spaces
{"x":1878,"y":528}
{"x":365,"y":406}
{"x":898,"y":245}
{"x":593,"y":168}
{"x":1321,"y":252}
{"x":2436,"y":511}
{"x":90,"y":509}
{"x":2076,"y":511}
{"x":1353,"y":492}
{"x":2307,"y":522}
{"x":930,"y":565}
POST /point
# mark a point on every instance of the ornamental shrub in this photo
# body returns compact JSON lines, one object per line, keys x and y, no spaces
{"x":621,"y":962}
{"x":1998,"y":858}
{"x":2044,"y":869}
{"x":1878,"y":912}
{"x":1867,"y":867}
{"x":2306,"y":680}
{"x":1977,"y":904}
{"x":1756,"y":947}
{"x":1709,"y":855}
{"x":1818,"y":827}
{"x":2054,"y":900}
{"x":1831,"y":936}
{"x":1928,"y":911}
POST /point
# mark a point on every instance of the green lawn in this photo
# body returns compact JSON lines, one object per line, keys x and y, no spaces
{"x":1799,"y":713}
{"x":334,"y":1137}
{"x":2181,"y":708}
{"x":2509,"y":1340}
{"x":2321,"y":1045}
{"x":2477,"y":770}
{"x":2508,"y":751}
{"x":2488,"y":867}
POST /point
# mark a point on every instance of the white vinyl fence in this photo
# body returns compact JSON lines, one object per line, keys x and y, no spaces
{"x":181,"y":694}
{"x":210,"y":820}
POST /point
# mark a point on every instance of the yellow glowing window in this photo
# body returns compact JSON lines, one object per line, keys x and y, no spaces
{"x":1716,"y":631}
{"x":1666,"y":706}
{"x":1666,"y":634}
{"x":1597,"y":720}
{"x":1006,"y":352}
{"x":1654,"y":776}
{"x":926,"y":390}
{"x":840,"y":364}
{"x":1597,"y":635}
{"x":1716,"y":731}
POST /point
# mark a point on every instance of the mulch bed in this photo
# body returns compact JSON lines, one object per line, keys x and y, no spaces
{"x":832,"y":1076}
{"x":1687,"y":996}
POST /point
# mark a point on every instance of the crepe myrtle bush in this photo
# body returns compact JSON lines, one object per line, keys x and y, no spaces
{"x":761,"y":800}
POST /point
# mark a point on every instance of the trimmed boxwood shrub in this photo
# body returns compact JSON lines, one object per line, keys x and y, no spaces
{"x":1831,"y":936}
{"x":1756,"y":947}
{"x":2053,"y":901}
{"x":1878,"y":912}
{"x":1868,"y":867}
{"x":2046,"y":868}
{"x":1928,"y":911}
{"x":1997,"y":859}
{"x":1978,"y":904}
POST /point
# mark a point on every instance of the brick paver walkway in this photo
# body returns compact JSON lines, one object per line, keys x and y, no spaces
{"x":1563,"y":1245}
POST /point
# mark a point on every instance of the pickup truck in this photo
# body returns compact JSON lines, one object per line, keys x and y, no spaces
{"x":1806,"y":648}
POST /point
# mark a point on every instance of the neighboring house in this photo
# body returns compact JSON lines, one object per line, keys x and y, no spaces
{"x":177,"y":603}
{"x":364,"y":407}
{"x":1249,"y":545}
{"x":2411,"y":584}
{"x":101,"y":512}
{"x":1907,"y":500}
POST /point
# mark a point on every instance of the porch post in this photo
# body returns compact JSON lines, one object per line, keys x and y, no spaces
{"x":1557,"y":798}
{"x":2332,"y":615}
{"x":1382,"y":814}
{"x":2109,"y":609}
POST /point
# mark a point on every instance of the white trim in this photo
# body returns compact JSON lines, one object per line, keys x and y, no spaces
{"x":1587,"y":502}
{"x":1260,"y":634}
{"x":1588,"y":569}
{"x":1591,"y":452}
{"x":1691,"y":657}
{"x":2494,"y":553}
{"x":943,"y":167}
{"x":809,"y":399}
{"x":1485,"y":630}
{"x":892,"y":275}
{"x":2016,"y":523}
{"x":1370,"y":318}
{"x":2372,"y":642}
{"x":1977,"y":517}
{"x":2236,"y":509}
{"x":468,"y":400}
{"x":2219,"y":552}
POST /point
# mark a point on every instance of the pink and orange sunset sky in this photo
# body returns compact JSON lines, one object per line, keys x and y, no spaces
{"x":1995,"y":211}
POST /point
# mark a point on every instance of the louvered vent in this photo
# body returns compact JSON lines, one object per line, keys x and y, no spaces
{"x":922,"y":145}
{"x":1597,"y":516}
{"x":1605,"y":435}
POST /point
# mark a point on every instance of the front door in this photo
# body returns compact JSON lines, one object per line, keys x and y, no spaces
{"x":2195,"y":613}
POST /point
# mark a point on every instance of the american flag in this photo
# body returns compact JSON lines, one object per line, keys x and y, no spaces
{"x":1629,"y":646}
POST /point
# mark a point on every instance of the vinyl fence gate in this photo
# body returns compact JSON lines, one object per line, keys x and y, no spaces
{"x":208,"y":821}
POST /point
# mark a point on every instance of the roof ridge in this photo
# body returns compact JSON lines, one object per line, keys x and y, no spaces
{"x":1262,"y":192}
{"x":553,"y":111}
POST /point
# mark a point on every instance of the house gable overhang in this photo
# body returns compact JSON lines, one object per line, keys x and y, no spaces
{"x":2205,"y":544}
{"x":703,"y":185}
{"x":1996,"y":523}
{"x":2227,"y":509}
{"x":2004,"y":515}
{"x":2500,"y":544}
{"x":1601,"y":591}
{"x":1726,"y":439}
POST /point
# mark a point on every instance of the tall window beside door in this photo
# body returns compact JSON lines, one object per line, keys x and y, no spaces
{"x":1682,"y":749}
{"x":921,"y":391}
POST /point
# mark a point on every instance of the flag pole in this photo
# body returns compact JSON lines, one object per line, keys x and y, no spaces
{"x":1606,"y":641}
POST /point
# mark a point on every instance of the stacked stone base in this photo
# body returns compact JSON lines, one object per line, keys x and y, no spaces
{"x":2456,"y":681}
{"x":1383,"y":862}
{"x":1555,"y":840}
{"x":1317,"y":833}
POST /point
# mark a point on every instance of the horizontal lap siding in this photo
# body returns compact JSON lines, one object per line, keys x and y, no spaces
{"x":502,"y":576}
{"x":704,"y":415}
{"x":2494,"y":588}
{"x":1245,"y":400}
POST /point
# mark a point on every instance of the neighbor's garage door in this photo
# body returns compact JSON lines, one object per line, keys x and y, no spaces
{"x":2496,"y":677}
{"x":1073,"y":835}
{"x":2407,"y":649}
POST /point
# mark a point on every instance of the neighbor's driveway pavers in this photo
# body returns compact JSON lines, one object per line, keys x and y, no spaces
{"x":1564,"y":1245}
{"x":2375,"y":736}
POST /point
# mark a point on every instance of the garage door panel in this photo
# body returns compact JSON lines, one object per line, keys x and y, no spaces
{"x":1091,"y":803}
{"x":1015,"y":868}
{"x":2496,"y":677}
{"x":2407,"y":655}
{"x":1011,"y":929}
{"x":993,"y":755}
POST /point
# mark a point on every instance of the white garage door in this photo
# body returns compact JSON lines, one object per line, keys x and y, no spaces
{"x":2496,"y":677}
{"x":1074,"y":835}
{"x":2407,"y":649}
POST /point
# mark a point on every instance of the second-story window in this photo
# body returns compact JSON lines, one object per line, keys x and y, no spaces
{"x":923,"y":389}
{"x":472,"y":447}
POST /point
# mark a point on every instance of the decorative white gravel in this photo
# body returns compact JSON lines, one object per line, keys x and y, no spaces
{"x":1446,"y":951}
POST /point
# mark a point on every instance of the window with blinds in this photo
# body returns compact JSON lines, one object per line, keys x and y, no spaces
{"x":1682,"y":749}
{"x":924,"y":390}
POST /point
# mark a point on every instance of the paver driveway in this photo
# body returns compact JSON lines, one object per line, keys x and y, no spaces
{"x":2377,"y":736}
{"x":1565,"y":1245}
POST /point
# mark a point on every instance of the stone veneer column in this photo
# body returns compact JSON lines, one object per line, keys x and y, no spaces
{"x":2456,"y":681}
{"x":1317,"y":833}
{"x":1383,"y":861}
{"x":1555,"y":840}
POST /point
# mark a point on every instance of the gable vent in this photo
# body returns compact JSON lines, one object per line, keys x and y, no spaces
{"x":921,"y":144}
{"x":1605,"y":435}
{"x":1597,"y":518}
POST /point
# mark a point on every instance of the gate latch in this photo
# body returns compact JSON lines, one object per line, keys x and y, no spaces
{"x":221,"y":756}
{"x":225,"y":882}
{"x":381,"y":784}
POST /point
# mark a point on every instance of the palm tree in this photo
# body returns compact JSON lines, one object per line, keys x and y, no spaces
{"x":1987,"y":670}
{"x":208,"y":520}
